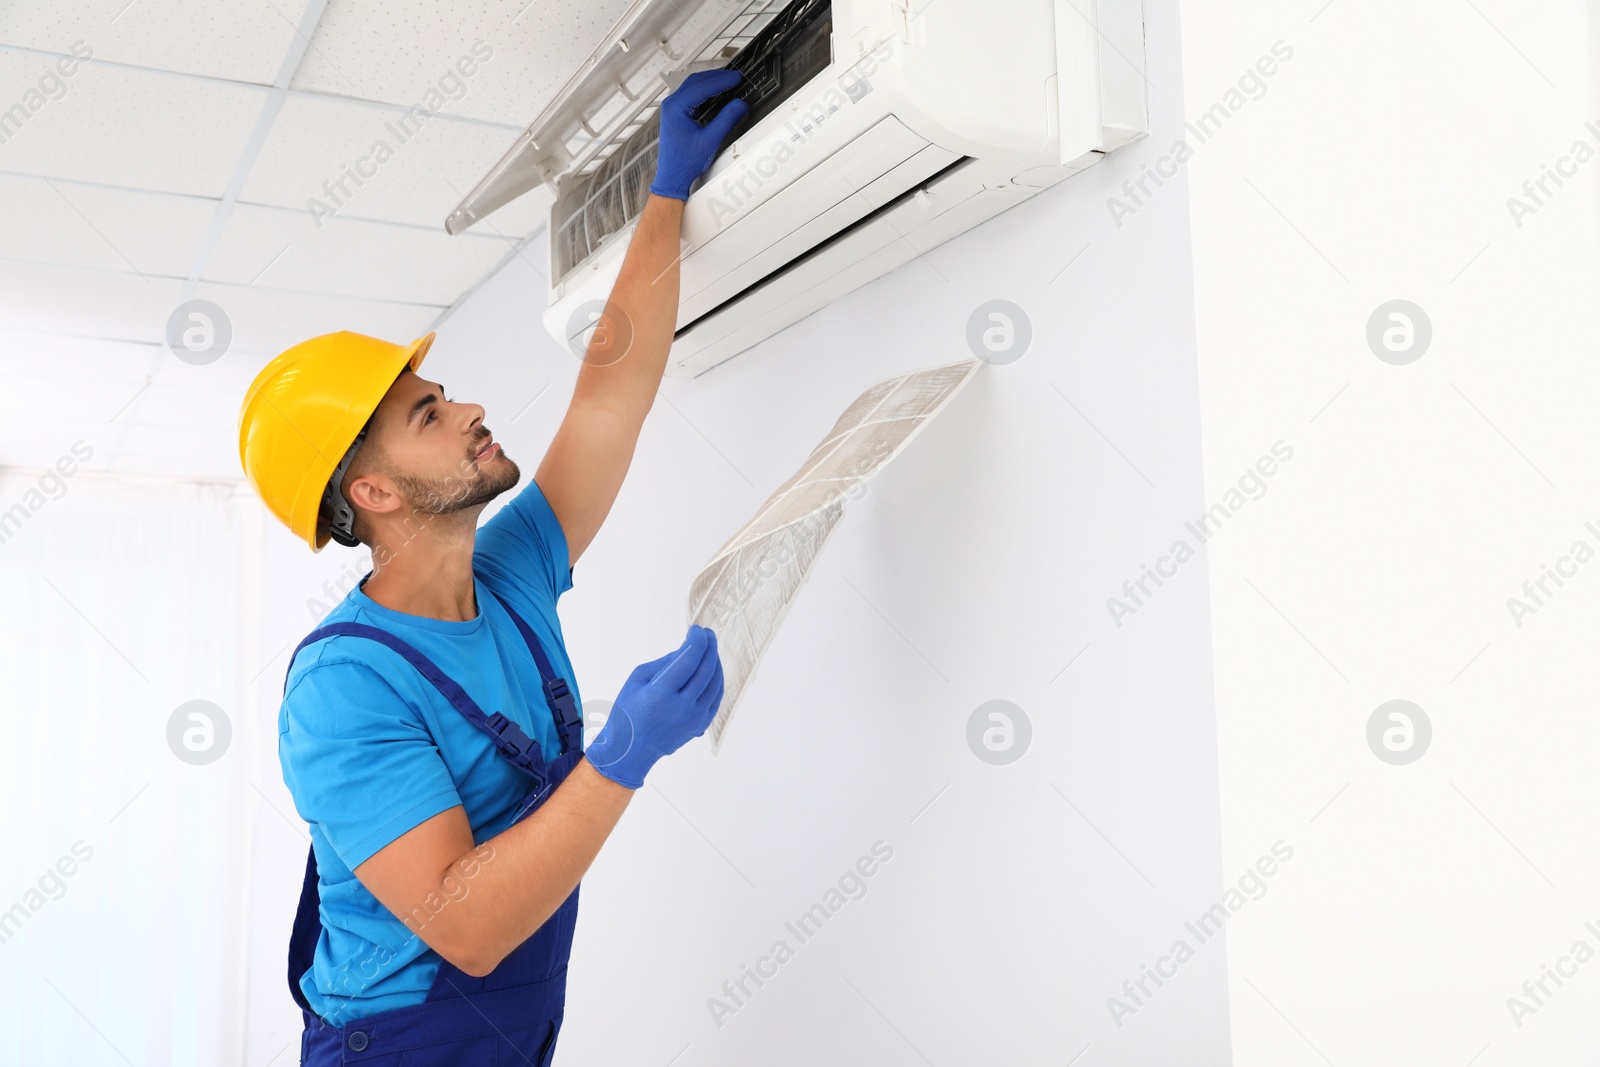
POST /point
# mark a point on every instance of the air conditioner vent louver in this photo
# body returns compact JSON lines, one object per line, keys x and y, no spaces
{"x":792,"y":46}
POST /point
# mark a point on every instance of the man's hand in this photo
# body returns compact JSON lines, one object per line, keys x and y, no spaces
{"x":662,"y":705}
{"x":686,"y":148}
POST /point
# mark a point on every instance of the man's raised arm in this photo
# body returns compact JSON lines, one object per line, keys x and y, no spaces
{"x":583,"y":469}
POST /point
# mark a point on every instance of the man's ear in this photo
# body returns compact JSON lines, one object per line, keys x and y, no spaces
{"x":373,"y":492}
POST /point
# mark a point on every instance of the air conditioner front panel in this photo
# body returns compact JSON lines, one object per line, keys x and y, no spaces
{"x":877,"y":167}
{"x":886,"y":241}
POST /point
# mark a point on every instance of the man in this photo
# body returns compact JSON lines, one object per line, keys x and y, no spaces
{"x":429,"y":730}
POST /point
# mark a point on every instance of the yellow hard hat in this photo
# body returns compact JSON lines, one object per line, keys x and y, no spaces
{"x":303,"y":412}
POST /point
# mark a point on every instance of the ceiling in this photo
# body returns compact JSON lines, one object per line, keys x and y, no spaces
{"x":196,"y":155}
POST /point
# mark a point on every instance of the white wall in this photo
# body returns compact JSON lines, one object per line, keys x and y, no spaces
{"x":975,"y":568}
{"x":1419,"y":499}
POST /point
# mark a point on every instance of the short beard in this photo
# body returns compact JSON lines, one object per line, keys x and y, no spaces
{"x":442,"y":496}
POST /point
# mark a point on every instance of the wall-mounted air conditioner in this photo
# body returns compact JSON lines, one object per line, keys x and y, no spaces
{"x":878,"y":130}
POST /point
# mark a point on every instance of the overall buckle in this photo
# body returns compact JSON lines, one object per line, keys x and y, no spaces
{"x":517,"y":746}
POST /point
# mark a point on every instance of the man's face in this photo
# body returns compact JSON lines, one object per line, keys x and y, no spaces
{"x":437,"y":452}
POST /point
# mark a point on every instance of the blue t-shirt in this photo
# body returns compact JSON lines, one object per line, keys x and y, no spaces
{"x":370,"y":748}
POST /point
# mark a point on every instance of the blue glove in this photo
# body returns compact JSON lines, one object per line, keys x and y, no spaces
{"x":686,"y":148}
{"x":662,"y":705}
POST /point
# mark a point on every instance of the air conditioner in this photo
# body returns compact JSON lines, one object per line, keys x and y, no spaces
{"x":878,"y":130}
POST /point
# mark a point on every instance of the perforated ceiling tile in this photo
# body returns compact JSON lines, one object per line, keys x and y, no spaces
{"x":125,"y":128}
{"x":335,"y":158}
{"x":85,"y":302}
{"x":267,"y":321}
{"x":284,"y":248}
{"x":242,"y":41}
{"x":405,"y":48}
{"x":52,"y":221}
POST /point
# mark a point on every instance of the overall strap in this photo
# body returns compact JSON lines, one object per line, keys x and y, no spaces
{"x":556,"y":693}
{"x":509,"y":739}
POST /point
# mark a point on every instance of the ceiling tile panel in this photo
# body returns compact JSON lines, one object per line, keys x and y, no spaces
{"x":245,"y":41}
{"x":330,"y":158}
{"x":284,"y":248}
{"x":52,"y":221}
{"x":399,"y":51}
{"x":86,"y":302}
{"x":126,"y":128}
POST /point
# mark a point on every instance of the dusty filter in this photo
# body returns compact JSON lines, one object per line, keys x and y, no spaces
{"x":792,"y":47}
{"x":746,"y":590}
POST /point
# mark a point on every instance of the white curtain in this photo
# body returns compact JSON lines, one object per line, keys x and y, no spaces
{"x":124,"y":898}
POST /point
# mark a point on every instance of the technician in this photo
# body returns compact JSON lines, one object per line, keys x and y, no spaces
{"x":429,"y":731}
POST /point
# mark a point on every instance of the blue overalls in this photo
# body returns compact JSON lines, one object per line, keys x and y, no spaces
{"x":511,"y":1015}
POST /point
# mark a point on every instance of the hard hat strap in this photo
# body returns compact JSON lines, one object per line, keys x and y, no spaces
{"x":342,"y":527}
